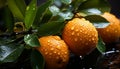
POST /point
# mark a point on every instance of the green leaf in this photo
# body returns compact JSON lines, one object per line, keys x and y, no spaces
{"x":37,"y":60}
{"x":30,"y":13}
{"x":76,"y":3}
{"x":31,"y":40}
{"x":40,"y":12}
{"x":17,"y":8}
{"x":97,"y":20}
{"x":21,"y":5}
{"x":66,"y":15}
{"x":10,"y":52}
{"x":55,"y":10}
{"x":66,"y":1}
{"x":101,"y":46}
{"x":94,"y":7}
{"x":50,"y":28}
{"x":8,"y":18}
{"x":47,"y":16}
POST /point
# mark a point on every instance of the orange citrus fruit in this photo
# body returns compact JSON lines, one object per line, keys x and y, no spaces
{"x":80,"y":35}
{"x":111,"y":33}
{"x":55,"y":51}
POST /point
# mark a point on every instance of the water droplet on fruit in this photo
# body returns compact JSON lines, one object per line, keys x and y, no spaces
{"x":73,"y":33}
{"x":75,"y":39}
{"x":50,"y":53}
{"x":58,"y":53}
{"x":46,"y":53}
{"x":72,"y":28}
{"x":76,"y":30}
{"x":78,"y":34}
{"x":55,"y":52}
{"x":93,"y":39}
{"x":51,"y":49}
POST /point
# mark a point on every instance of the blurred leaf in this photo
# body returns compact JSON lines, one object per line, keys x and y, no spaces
{"x":37,"y":60}
{"x":97,"y":20}
{"x":55,"y":10}
{"x":101,"y":46}
{"x":94,"y":7}
{"x":8,"y":18}
{"x":40,"y":12}
{"x":66,"y":1}
{"x":17,"y":9}
{"x":50,"y":28}
{"x":31,"y":40}
{"x":10,"y":52}
{"x":66,"y":15}
{"x":21,"y":5}
{"x":76,"y":3}
{"x":47,"y":16}
{"x":2,"y":3}
{"x":30,"y":13}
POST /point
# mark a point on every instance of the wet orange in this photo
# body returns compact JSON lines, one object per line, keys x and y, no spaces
{"x":80,"y":35}
{"x":55,"y":51}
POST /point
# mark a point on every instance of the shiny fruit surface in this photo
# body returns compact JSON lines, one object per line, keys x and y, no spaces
{"x":55,"y":51}
{"x":80,"y":35}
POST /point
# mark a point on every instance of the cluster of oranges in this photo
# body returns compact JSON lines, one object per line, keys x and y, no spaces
{"x":80,"y":37}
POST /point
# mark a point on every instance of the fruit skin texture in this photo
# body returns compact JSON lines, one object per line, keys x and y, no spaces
{"x":111,"y":33}
{"x":81,"y":36}
{"x":55,"y":51}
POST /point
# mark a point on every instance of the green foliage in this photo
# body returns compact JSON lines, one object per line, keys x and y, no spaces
{"x":17,"y":8}
{"x":101,"y":46}
{"x":40,"y":12}
{"x":8,"y":18}
{"x":37,"y":60}
{"x":50,"y":28}
{"x":97,"y":20}
{"x":9,"y":52}
{"x":30,"y":14}
{"x":31,"y":40}
{"x":66,"y":1}
{"x":94,"y":7}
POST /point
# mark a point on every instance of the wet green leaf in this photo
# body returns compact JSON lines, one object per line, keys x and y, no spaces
{"x":17,"y":8}
{"x":10,"y":52}
{"x":66,"y":1}
{"x":50,"y":28}
{"x":40,"y":12}
{"x":31,"y":40}
{"x":97,"y":20}
{"x":30,"y":13}
{"x":66,"y":15}
{"x":37,"y":60}
{"x":55,"y":10}
{"x":94,"y":7}
{"x":101,"y":46}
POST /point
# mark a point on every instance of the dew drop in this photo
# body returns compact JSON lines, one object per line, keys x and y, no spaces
{"x":46,"y":53}
{"x":78,"y":34}
{"x":73,"y":33}
{"x":55,"y":52}
{"x":76,"y":30}
{"x":28,"y":8}
{"x":33,"y":8}
{"x":72,"y":28}
{"x":75,"y":39}
{"x":51,"y":49}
